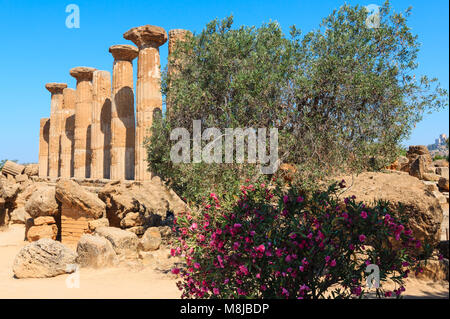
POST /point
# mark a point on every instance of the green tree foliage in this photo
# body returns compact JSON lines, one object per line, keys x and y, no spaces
{"x":342,"y":96}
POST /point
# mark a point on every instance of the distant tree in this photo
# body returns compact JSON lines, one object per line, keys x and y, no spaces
{"x":341,"y":96}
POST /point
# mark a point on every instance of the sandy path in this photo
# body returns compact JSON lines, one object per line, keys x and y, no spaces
{"x":125,"y":282}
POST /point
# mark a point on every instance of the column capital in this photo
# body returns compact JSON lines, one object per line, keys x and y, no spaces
{"x":55,"y":87}
{"x":82,"y":73}
{"x":124,"y":52}
{"x":146,"y":36}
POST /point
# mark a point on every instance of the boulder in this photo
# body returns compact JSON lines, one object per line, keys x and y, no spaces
{"x":96,"y":223}
{"x":22,"y":178}
{"x":43,"y":258}
{"x":35,"y":233}
{"x":73,"y":196}
{"x":151,"y":240}
{"x":443,"y":184}
{"x":422,"y":210}
{"x":434,"y":269}
{"x":431,"y":186}
{"x":42,"y":202}
{"x":31,"y":170}
{"x":443,"y":171}
{"x":419,"y":167}
{"x":440,"y":163}
{"x":125,"y":243}
{"x":96,"y":252}
{"x":19,"y":216}
{"x":147,"y":203}
{"x":44,"y":220}
{"x":431,"y":177}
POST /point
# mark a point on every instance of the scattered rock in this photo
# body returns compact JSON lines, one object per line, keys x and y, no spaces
{"x":440,"y":197}
{"x":96,"y":252}
{"x":31,"y":170}
{"x":43,"y":258}
{"x":72,"y":195}
{"x":431,"y":177}
{"x":44,"y":220}
{"x":133,"y":205}
{"x":431,"y":186}
{"x":42,"y":202}
{"x":435,"y":270}
{"x":35,"y":233}
{"x":19,"y":216}
{"x":125,"y":243}
{"x":151,"y":239}
{"x":422,"y":210}
{"x":440,"y":163}
{"x":443,"y":171}
{"x":96,"y":223}
{"x":22,"y":178}
{"x":443,"y":184}
{"x":419,"y":166}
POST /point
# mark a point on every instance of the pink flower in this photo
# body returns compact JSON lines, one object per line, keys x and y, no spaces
{"x":175,"y":271}
{"x":196,"y":265}
{"x":362,"y":238}
{"x":284,"y":292}
{"x":364,"y":214}
{"x":352,"y":247}
{"x":299,"y":199}
{"x":216,"y":291}
{"x":219,"y":258}
{"x":261,"y":248}
{"x":243,"y":269}
{"x":388,"y":294}
{"x":333,"y":263}
{"x":285,"y":199}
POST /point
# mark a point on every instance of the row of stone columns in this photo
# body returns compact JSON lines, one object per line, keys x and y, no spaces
{"x":93,"y":131}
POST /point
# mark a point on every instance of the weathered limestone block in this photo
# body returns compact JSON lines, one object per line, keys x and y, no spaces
{"x":435,"y":270}
{"x":19,"y":216}
{"x":419,"y":167}
{"x":101,"y":125}
{"x":148,"y":91}
{"x":83,"y":121}
{"x":443,"y":184}
{"x":57,"y":101}
{"x":43,"y":258}
{"x":67,"y":133}
{"x":44,"y":136}
{"x":96,"y":223}
{"x":123,"y":126}
{"x":35,"y":233}
{"x":12,"y":168}
{"x":125,"y":243}
{"x":96,"y":252}
{"x":151,"y":240}
{"x":31,"y":170}
{"x":443,"y":171}
{"x":78,"y":208}
{"x":42,"y":202}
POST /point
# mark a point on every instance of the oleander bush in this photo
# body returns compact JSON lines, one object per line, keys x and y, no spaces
{"x":275,"y":244}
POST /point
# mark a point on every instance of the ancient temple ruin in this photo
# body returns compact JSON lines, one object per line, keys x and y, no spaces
{"x":95,"y":131}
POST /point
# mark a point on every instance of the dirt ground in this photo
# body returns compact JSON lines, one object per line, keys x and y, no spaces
{"x":124,"y":282}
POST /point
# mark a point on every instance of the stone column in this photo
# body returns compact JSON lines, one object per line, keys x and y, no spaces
{"x":101,"y":124}
{"x":56,"y":89}
{"x":123,"y":127}
{"x":83,"y":119}
{"x":67,"y":140}
{"x":148,"y":89}
{"x":44,"y":134}
{"x":175,"y":35}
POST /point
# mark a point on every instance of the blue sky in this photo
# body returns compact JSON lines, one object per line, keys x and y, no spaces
{"x":38,"y":48}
